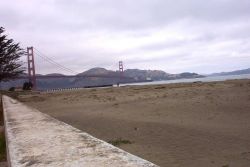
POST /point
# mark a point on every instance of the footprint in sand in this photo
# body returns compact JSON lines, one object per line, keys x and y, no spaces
{"x":246,"y":155}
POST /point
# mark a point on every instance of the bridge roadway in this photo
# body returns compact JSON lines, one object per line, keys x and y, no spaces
{"x":36,"y":139}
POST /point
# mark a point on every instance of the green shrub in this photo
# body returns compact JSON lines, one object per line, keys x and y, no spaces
{"x":2,"y":147}
{"x":119,"y":141}
{"x":27,"y":86}
{"x":12,"y":89}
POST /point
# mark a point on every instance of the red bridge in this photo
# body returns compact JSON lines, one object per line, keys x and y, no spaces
{"x":32,"y":76}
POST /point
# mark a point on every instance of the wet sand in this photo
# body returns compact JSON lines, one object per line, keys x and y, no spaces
{"x":191,"y":124}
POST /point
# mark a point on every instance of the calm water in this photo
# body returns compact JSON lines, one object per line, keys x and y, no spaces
{"x":206,"y":79}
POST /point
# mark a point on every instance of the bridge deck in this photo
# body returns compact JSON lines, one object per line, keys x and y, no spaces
{"x":36,"y":139}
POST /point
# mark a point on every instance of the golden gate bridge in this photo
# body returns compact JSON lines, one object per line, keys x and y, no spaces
{"x":32,"y":76}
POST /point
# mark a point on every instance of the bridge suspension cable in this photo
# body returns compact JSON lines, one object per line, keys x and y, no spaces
{"x":51,"y":61}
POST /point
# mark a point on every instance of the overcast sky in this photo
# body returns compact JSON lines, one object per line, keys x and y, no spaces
{"x":202,"y":36}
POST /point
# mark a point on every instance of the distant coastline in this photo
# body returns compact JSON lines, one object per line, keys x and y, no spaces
{"x":102,"y":76}
{"x":204,"y":79}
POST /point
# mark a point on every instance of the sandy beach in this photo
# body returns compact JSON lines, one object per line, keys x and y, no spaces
{"x":177,"y":125}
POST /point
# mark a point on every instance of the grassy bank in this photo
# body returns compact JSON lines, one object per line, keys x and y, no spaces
{"x":2,"y":137}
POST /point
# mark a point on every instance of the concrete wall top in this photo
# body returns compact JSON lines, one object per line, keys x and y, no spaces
{"x":36,"y":139}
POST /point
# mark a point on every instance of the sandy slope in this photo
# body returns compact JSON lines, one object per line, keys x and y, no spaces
{"x":191,"y":125}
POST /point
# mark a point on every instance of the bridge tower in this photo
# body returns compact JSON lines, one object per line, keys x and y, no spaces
{"x":121,"y":68}
{"x":31,"y":66}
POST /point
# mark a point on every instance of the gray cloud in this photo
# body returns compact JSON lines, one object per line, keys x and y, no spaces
{"x":147,"y":13}
{"x":175,"y":36}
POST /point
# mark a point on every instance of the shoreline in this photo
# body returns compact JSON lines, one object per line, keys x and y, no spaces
{"x":200,"y":79}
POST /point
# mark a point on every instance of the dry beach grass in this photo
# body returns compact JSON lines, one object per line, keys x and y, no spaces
{"x":3,"y":162}
{"x":191,"y":124}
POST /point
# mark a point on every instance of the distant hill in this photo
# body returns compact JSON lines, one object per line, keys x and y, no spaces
{"x":189,"y":75}
{"x":146,"y":74}
{"x":98,"y":71}
{"x":237,"y":72}
{"x":108,"y":77}
{"x":102,"y":77}
{"x":157,"y":75}
{"x":139,"y":75}
{"x":54,"y":74}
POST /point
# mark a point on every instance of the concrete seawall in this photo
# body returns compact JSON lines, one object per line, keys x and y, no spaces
{"x":36,"y":139}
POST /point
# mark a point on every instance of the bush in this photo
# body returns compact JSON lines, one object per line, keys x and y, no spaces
{"x":12,"y":89}
{"x":27,"y":86}
{"x":2,"y":147}
{"x":119,"y":141}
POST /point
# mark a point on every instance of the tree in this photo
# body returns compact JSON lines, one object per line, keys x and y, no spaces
{"x":12,"y":89}
{"x":10,"y":53}
{"x":27,"y":86}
